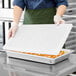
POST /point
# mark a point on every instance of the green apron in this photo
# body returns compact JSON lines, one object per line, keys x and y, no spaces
{"x":39,"y":16}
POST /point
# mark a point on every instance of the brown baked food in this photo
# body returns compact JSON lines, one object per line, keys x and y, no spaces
{"x":44,"y":55}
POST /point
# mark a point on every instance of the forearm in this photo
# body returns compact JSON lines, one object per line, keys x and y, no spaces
{"x":61,"y":10}
{"x":17,"y":12}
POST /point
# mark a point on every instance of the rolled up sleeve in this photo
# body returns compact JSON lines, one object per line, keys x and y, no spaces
{"x":61,"y":2}
{"x":19,"y":3}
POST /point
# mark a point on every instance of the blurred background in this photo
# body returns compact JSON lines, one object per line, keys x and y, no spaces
{"x":6,"y":13}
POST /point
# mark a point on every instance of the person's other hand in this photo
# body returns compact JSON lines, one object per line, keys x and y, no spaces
{"x":58,"y":20}
{"x":12,"y":30}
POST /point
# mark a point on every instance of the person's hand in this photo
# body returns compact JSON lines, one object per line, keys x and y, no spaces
{"x":58,"y":20}
{"x":12,"y":30}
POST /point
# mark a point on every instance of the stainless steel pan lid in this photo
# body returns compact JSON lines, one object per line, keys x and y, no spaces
{"x":40,"y":38}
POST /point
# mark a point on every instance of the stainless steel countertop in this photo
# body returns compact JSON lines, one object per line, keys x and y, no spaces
{"x":17,"y":67}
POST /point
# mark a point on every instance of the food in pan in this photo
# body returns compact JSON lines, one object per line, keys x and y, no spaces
{"x":44,"y":55}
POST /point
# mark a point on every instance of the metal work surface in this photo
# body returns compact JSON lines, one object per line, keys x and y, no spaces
{"x":17,"y":67}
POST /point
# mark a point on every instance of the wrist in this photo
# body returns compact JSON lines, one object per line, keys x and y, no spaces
{"x":15,"y":24}
{"x":58,"y":16}
{"x":58,"y":19}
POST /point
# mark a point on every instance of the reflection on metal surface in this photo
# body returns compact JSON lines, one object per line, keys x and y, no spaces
{"x":35,"y":69}
{"x":72,"y":58}
{"x":70,"y":17}
{"x":17,"y":67}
